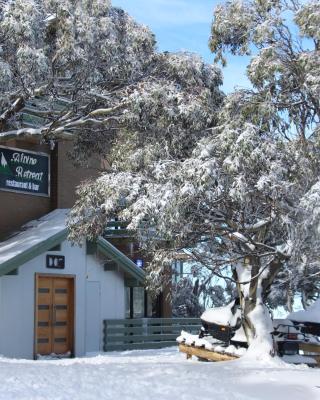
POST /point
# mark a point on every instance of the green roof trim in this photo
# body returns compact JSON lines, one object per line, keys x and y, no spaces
{"x":107,"y":249}
{"x":32,"y":252}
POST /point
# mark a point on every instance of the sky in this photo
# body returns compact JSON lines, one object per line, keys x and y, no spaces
{"x":185,"y":25}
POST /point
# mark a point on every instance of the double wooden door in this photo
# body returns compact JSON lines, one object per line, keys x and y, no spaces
{"x":54,"y":316}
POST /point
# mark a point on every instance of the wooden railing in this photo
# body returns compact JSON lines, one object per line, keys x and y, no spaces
{"x":116,"y":229}
{"x":145,"y":333}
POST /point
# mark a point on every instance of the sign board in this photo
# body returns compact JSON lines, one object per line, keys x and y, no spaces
{"x":53,"y":261}
{"x":24,"y":171}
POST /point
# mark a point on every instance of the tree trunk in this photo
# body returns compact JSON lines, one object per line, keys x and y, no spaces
{"x":249,"y":297}
{"x":256,"y":322}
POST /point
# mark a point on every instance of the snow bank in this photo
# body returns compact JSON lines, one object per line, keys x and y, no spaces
{"x":153,"y":374}
{"x":222,"y":315}
{"x":311,"y":314}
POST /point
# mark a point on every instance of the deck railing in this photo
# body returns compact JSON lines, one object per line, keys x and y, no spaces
{"x":145,"y":333}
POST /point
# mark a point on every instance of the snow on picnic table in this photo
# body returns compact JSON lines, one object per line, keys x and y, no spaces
{"x":154,"y":374}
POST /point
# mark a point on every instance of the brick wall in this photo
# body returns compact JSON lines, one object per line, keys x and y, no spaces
{"x":69,"y":176}
{"x":17,"y":208}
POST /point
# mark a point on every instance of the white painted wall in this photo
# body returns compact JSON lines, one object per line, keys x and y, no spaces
{"x":93,"y":316}
{"x":17,"y":298}
{"x":112,"y":294}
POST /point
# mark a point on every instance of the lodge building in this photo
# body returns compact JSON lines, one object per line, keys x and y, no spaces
{"x":55,"y":296}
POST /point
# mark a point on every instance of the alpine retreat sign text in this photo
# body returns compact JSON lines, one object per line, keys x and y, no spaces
{"x":24,"y":171}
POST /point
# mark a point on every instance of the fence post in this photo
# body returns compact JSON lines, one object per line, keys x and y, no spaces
{"x":145,"y":326}
{"x":105,"y":335}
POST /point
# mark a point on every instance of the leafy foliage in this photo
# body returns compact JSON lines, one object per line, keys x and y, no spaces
{"x":232,"y":179}
{"x":185,"y":301}
{"x":242,"y":191}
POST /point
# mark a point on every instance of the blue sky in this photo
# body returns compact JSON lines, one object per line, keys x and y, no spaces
{"x":184,"y":25}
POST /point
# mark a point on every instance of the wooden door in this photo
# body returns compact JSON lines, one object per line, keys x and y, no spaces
{"x":54,"y":315}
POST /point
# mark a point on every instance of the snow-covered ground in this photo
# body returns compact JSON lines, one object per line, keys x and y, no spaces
{"x":154,"y":374}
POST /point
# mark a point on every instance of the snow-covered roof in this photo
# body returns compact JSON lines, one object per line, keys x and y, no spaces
{"x":42,"y":234}
{"x":36,"y":236}
{"x":311,"y":314}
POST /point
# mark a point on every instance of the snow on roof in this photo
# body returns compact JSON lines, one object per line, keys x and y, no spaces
{"x":311,"y":314}
{"x":34,"y":232}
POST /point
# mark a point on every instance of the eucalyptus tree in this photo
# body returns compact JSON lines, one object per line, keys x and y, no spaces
{"x":86,"y":52}
{"x":233,"y":180}
{"x":233,"y":189}
{"x":283,"y":107}
{"x":120,"y":90}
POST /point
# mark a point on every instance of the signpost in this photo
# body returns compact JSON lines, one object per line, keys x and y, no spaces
{"x":24,"y":171}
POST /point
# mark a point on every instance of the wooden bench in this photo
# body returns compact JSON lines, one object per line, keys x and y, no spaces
{"x":311,"y":350}
{"x":204,"y":354}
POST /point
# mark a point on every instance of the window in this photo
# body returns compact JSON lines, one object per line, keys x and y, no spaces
{"x":137,"y":303}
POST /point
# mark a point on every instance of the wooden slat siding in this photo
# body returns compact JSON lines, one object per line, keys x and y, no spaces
{"x":173,"y":321}
{"x":151,"y":329}
{"x":139,"y":346}
{"x":152,"y":321}
{"x":123,"y":322}
{"x":127,"y":330}
{"x":145,"y":333}
{"x":173,"y":328}
{"x":142,"y":338}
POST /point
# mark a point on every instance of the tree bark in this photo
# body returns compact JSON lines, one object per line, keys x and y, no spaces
{"x":256,"y":320}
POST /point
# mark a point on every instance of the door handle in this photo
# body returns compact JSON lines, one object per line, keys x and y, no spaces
{"x":50,"y":315}
{"x":54,"y":314}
